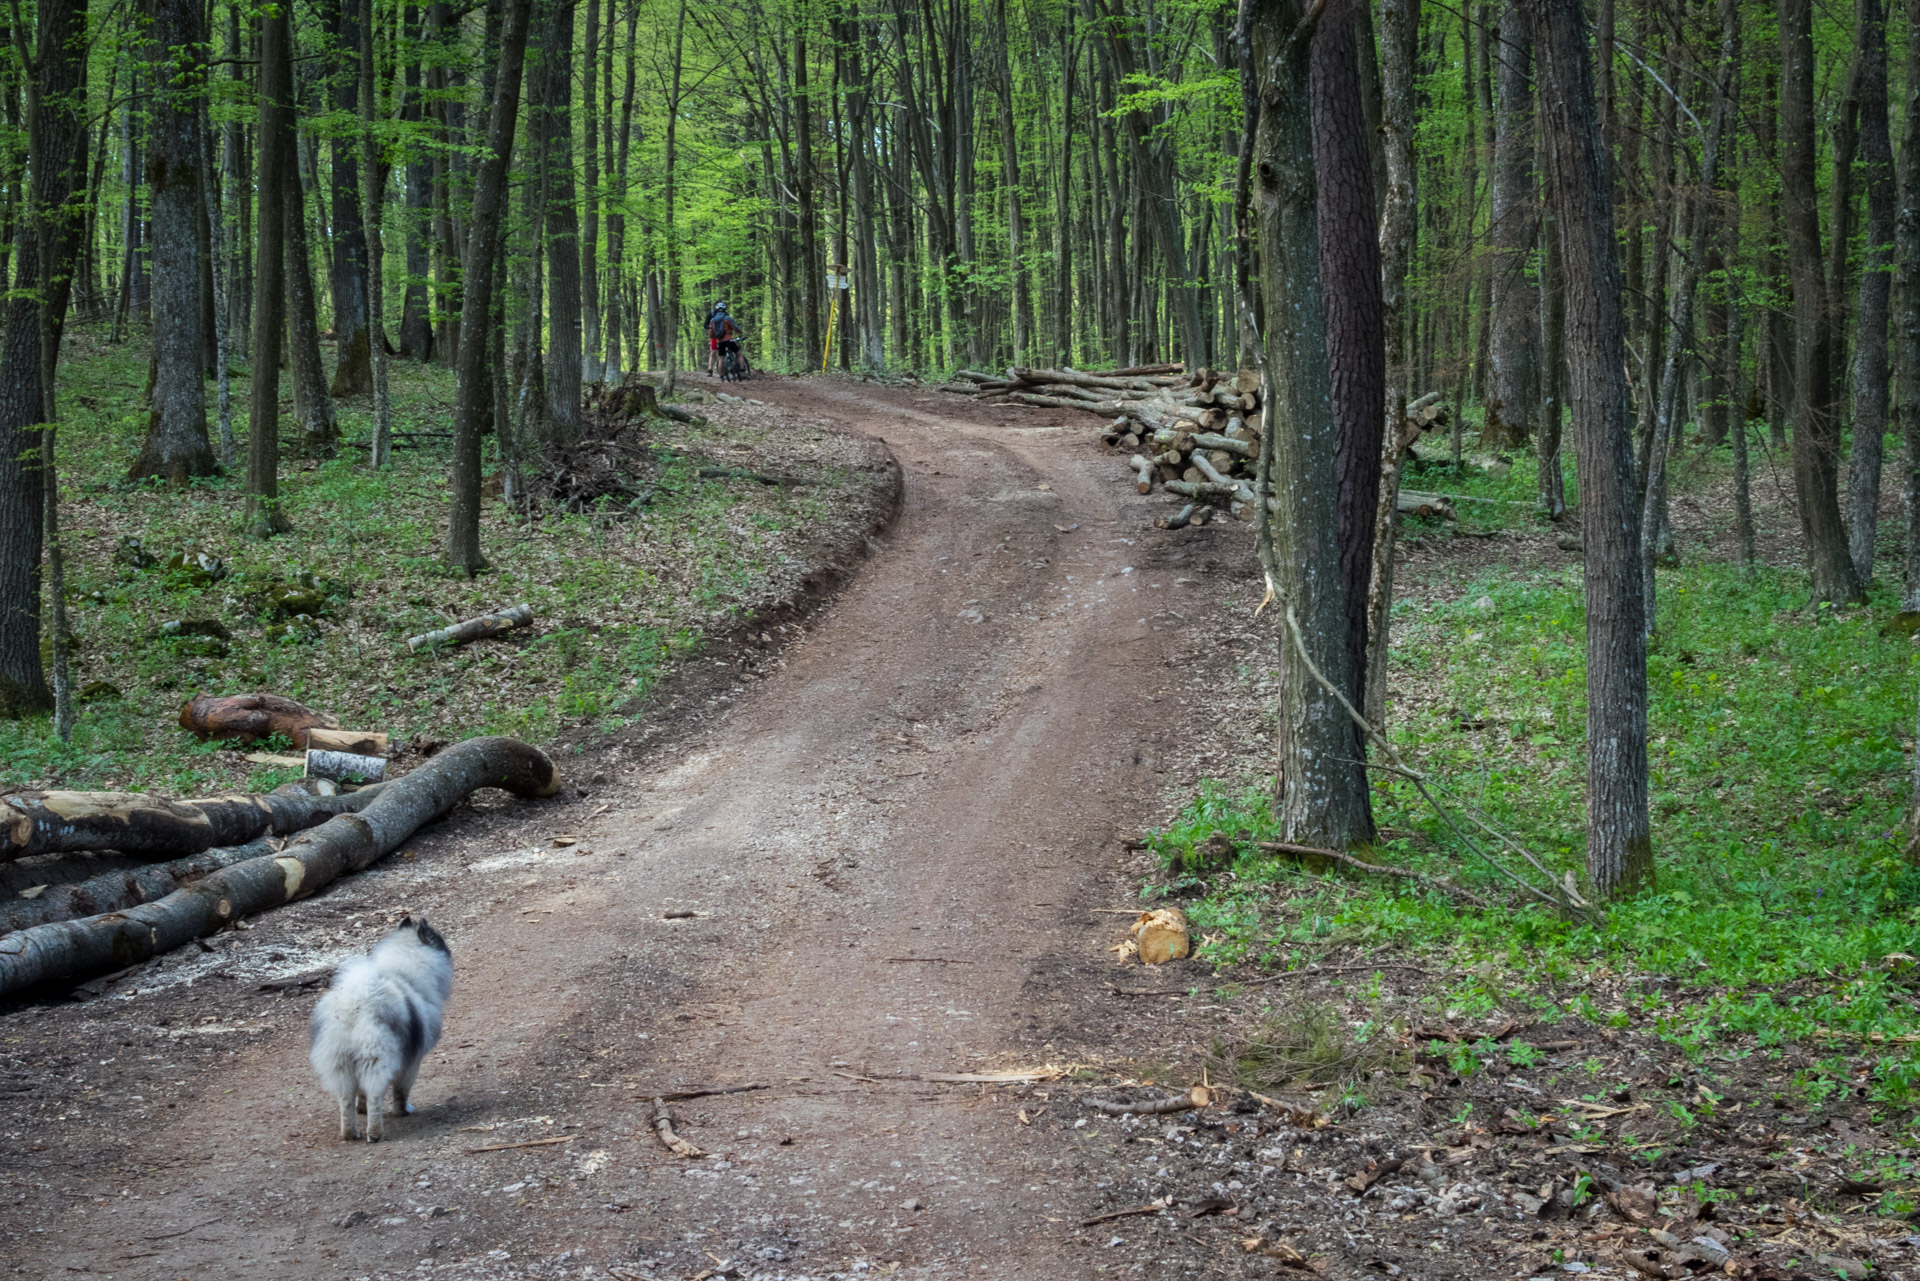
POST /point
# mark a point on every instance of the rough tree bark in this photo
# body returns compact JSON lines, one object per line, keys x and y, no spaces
{"x":1816,"y":421}
{"x":371,"y":210}
{"x":177,"y":447}
{"x":69,"y":950}
{"x":555,"y":124}
{"x":1513,"y":395}
{"x":476,"y":305}
{"x":312,"y":402}
{"x":353,"y":372}
{"x":33,"y":823}
{"x":273,"y":175}
{"x":1399,"y":44}
{"x":1349,"y":248}
{"x":1322,"y":788}
{"x":33,"y":316}
{"x":1619,"y":838}
{"x":1876,"y":280}
{"x":416,"y":323}
{"x":1906,"y":265}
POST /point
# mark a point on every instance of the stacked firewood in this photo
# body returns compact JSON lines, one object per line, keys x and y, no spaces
{"x":1196,"y":436}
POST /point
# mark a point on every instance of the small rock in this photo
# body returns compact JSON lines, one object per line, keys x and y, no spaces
{"x":98,"y":692}
{"x":351,"y":1218}
{"x":193,"y":568}
{"x":971,"y":616}
{"x":130,"y":553}
{"x":912,"y":1203}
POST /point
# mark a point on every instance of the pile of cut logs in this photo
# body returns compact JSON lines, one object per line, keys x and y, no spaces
{"x":1194,"y":435}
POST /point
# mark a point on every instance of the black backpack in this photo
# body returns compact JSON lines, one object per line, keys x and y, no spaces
{"x":717,"y":327}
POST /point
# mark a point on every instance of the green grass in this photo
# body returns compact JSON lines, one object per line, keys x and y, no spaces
{"x":617,"y":596}
{"x":1779,"y":757}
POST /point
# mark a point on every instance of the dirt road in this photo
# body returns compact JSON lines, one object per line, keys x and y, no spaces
{"x":892,"y":842}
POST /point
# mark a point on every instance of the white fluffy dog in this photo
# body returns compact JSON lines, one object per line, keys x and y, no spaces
{"x":377,"y":1022}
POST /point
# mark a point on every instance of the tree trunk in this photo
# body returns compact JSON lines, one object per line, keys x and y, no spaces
{"x":416,"y":321}
{"x":1513,"y":397}
{"x":1876,"y":279}
{"x":1687,"y":262}
{"x":1551,"y":484}
{"x":1619,"y":838}
{"x":353,"y":373}
{"x":372,"y":198}
{"x":1322,"y":787}
{"x":68,"y":950}
{"x":473,"y":392}
{"x":278,"y":186}
{"x":1349,"y":248}
{"x":1816,"y":422}
{"x":1399,"y":48}
{"x":555,"y":123}
{"x":133,"y":823}
{"x":176,"y":447}
{"x":810,"y":279}
{"x":34,"y":315}
{"x":1906,"y":265}
{"x":618,"y":315}
{"x":312,"y":403}
{"x":589,"y":245}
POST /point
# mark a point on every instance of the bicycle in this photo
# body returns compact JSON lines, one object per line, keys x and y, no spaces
{"x":733,"y":365}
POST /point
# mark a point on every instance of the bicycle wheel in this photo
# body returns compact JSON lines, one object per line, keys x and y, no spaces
{"x":729,"y":365}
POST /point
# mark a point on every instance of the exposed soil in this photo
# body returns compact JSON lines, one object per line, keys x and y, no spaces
{"x":900,"y":821}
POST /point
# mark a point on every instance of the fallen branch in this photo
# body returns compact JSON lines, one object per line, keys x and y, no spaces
{"x":1373,"y":869}
{"x":676,"y":1096}
{"x":69,"y":950}
{"x":663,"y":1126}
{"x":1157,"y":1107}
{"x":1111,"y":1215}
{"x":525,"y":1143}
{"x":134,"y":823}
{"x":476,"y":628}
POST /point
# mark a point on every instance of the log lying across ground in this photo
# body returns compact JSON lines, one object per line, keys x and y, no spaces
{"x":252,"y":716}
{"x":79,"y":949}
{"x":127,"y":887}
{"x":505,"y":620}
{"x":135,"y":823}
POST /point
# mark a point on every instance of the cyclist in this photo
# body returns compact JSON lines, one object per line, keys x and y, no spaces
{"x":721,"y":329}
{"x":724,"y":335}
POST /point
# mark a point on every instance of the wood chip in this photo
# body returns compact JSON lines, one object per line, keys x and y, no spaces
{"x":663,"y":1126}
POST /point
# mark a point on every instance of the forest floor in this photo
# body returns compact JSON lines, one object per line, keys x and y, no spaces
{"x":905,"y":829}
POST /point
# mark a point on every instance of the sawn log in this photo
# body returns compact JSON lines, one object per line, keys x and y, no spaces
{"x":476,"y":628}
{"x":135,"y":823}
{"x":79,"y":949}
{"x":252,"y":716}
{"x":116,"y":891}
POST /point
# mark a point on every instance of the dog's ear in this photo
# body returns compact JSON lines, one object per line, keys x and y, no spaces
{"x":406,"y":922}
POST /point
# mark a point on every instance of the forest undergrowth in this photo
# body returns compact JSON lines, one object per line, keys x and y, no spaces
{"x":1781,"y":932}
{"x":169,"y":597}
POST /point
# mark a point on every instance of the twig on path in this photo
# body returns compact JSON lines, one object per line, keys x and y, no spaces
{"x":663,"y":1126}
{"x":676,"y":1096}
{"x":1156,"y":1107}
{"x":864,"y":1080}
{"x":929,"y":960}
{"x":1111,"y":1215}
{"x":162,"y":1236}
{"x":525,"y":1143}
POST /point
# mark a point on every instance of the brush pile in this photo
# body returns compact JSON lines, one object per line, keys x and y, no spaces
{"x":1194,"y":435}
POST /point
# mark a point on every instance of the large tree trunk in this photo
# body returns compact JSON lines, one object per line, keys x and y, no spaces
{"x":372,"y":208}
{"x":563,"y":226}
{"x":1349,"y":249}
{"x":489,"y":201}
{"x":34,"y":315}
{"x":1870,"y":357}
{"x":1816,"y":420}
{"x":274,"y":175}
{"x":134,"y":823}
{"x":1906,"y":264}
{"x":1513,"y":398}
{"x":1322,"y":786}
{"x":176,"y":447}
{"x":353,"y":374}
{"x":1619,"y":839}
{"x":79,"y":949}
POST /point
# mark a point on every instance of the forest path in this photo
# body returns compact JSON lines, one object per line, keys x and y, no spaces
{"x":892,"y":843}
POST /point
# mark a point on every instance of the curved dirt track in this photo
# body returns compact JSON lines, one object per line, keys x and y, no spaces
{"x":893,"y":843}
